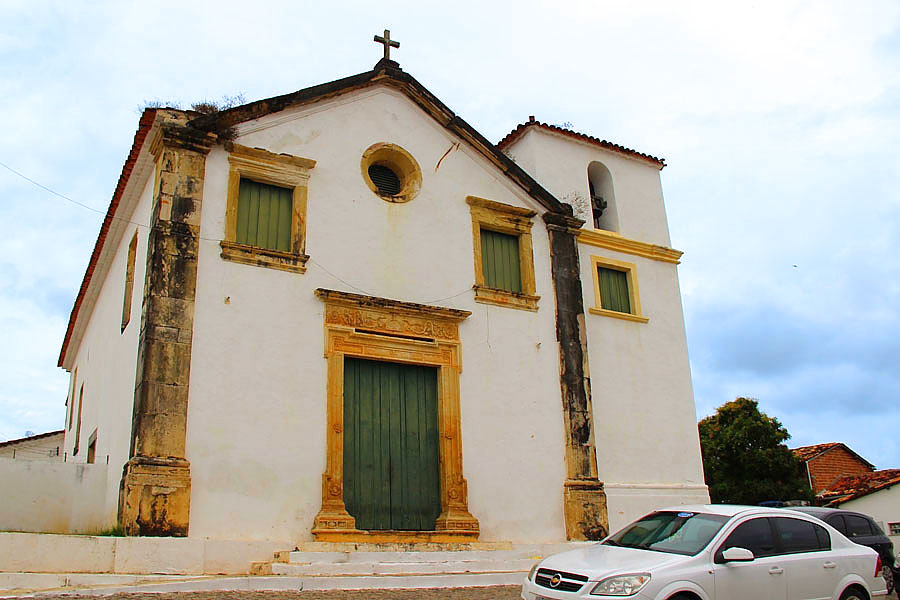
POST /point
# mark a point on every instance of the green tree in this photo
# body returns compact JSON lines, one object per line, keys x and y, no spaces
{"x":745,"y":458}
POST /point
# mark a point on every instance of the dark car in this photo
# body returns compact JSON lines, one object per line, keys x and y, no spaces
{"x":861,"y":529}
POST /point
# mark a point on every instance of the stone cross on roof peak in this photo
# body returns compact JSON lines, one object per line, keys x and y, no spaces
{"x":388,"y":43}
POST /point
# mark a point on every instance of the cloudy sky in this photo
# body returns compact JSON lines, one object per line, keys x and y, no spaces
{"x":780,"y":123}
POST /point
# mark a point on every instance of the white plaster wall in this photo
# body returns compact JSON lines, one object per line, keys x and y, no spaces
{"x":645,"y":423}
{"x":627,"y":502}
{"x":883,"y":506}
{"x":52,"y":497}
{"x":257,"y":416}
{"x":106,"y":361}
{"x":560,"y":164}
{"x":42,"y":553}
{"x":48,"y":449}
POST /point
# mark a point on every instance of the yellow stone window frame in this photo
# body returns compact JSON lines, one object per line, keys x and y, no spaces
{"x":283,"y":170}
{"x":399,"y":332}
{"x":511,"y":220}
{"x":634,"y":294}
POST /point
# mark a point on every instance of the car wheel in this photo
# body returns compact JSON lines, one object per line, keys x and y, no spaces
{"x":854,"y":594}
{"x":888,"y":573}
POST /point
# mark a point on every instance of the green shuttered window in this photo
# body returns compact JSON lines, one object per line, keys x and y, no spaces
{"x":264,"y":216}
{"x":391,"y":445}
{"x":500,"y":261}
{"x":614,"y":290}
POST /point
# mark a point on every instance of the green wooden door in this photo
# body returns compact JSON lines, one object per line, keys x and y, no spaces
{"x":391,"y":476}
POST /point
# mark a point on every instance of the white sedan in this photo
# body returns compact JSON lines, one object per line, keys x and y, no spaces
{"x":714,"y":552}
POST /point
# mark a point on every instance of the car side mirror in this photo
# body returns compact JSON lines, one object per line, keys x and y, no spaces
{"x":737,"y":555}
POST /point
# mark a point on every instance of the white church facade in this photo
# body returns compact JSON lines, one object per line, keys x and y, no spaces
{"x":342,"y":314}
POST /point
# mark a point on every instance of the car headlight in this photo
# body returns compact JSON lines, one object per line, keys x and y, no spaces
{"x":621,"y":585}
{"x":533,"y":571}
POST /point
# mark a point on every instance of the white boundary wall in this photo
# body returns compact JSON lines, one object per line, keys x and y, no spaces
{"x":53,"y":497}
{"x":43,"y":553}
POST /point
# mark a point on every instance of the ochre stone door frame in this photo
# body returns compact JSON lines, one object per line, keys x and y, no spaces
{"x":400,"y":332}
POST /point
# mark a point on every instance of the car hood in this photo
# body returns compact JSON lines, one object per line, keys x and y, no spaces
{"x":600,"y":561}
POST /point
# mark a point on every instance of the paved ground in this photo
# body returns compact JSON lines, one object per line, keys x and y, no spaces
{"x":507,"y":592}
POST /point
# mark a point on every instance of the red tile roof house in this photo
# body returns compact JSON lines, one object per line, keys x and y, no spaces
{"x":43,"y":446}
{"x":826,"y":463}
{"x":876,"y":494}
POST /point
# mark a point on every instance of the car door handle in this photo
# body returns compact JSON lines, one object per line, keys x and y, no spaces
{"x":829,"y":565}
{"x":776,"y":571}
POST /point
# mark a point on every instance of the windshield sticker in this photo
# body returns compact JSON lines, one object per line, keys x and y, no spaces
{"x":685,"y":515}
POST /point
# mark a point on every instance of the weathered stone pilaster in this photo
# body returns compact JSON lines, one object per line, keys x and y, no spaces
{"x":155,"y":494}
{"x":583,"y":495}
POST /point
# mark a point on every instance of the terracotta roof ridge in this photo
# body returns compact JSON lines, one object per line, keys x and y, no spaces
{"x":850,"y":487}
{"x":808,"y":453}
{"x":144,"y":126}
{"x":523,"y":127}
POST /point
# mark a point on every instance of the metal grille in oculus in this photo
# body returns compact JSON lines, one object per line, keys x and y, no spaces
{"x":385,"y":179}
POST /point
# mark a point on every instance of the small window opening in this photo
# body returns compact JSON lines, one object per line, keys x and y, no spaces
{"x":604,"y":210}
{"x":92,"y":448}
{"x":385,"y":179}
{"x":597,"y":205}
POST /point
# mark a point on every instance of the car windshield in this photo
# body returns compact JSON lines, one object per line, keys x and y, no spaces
{"x":670,"y":531}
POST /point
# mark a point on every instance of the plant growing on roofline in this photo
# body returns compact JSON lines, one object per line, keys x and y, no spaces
{"x":745,"y":458}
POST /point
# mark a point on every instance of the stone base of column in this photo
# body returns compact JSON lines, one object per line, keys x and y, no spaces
{"x":459,"y":522}
{"x":155,"y":499}
{"x":584,"y":502}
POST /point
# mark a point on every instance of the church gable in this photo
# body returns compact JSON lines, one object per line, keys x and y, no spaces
{"x":385,"y":73}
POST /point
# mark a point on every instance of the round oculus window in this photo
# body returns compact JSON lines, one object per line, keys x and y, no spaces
{"x":391,"y":172}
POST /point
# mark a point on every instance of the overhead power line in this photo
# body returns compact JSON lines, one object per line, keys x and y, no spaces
{"x":146,"y":226}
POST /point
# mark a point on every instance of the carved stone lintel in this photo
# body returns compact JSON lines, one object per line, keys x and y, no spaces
{"x":584,"y":503}
{"x":156,"y":496}
{"x":391,"y":316}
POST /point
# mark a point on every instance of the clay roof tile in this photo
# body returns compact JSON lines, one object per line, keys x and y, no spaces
{"x":850,"y":487}
{"x":520,"y":130}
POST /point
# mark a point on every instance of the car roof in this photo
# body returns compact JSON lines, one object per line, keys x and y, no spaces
{"x":822,"y":512}
{"x":818,"y":511}
{"x":727,"y":510}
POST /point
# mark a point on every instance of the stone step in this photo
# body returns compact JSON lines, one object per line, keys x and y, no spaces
{"x":411,"y":557}
{"x":404,"y":567}
{"x":400,"y":546}
{"x":329,"y":554}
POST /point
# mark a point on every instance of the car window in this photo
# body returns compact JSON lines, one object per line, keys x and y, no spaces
{"x":796,"y":535}
{"x":754,"y":535}
{"x":837,"y":521}
{"x":824,"y":538}
{"x":674,"y":532}
{"x":857,"y":526}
